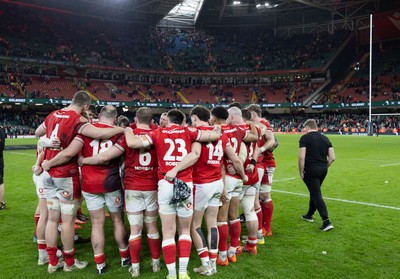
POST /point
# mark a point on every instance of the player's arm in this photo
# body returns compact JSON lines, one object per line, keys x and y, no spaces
{"x":41,"y":130}
{"x":208,"y":136}
{"x":242,"y":152}
{"x":269,"y":141}
{"x":186,"y":162}
{"x":331,"y":156}
{"x":99,"y":133}
{"x":237,"y":162}
{"x":104,"y":157}
{"x":224,"y":193}
{"x":252,"y":135}
{"x":36,"y":168}
{"x":135,"y":142}
{"x":253,"y":160}
{"x":301,"y":161}
{"x":65,"y":155}
{"x":54,"y":142}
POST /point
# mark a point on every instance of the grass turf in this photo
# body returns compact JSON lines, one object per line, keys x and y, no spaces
{"x":361,"y":192}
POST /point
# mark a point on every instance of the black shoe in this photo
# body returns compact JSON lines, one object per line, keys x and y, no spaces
{"x":126,"y":262}
{"x":307,"y":218}
{"x":101,"y":268}
{"x":80,"y":240}
{"x":2,"y":205}
{"x":326,"y":226}
{"x":82,"y":217}
{"x":242,"y":218}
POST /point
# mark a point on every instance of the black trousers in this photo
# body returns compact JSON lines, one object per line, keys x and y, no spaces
{"x":313,"y":178}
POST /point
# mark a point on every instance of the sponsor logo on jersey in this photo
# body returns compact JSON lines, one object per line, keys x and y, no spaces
{"x":173,"y":131}
{"x":144,"y":168}
{"x":61,"y":116}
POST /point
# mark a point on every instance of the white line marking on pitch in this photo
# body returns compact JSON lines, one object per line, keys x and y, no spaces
{"x":284,"y":179}
{"x":19,"y":153}
{"x":340,"y":200}
{"x":388,"y":165}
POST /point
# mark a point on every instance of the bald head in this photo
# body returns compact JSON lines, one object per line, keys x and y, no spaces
{"x":235,"y":116}
{"x":235,"y":111}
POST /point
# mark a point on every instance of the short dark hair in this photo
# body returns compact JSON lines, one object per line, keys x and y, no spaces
{"x":220,"y":112}
{"x":201,"y":112}
{"x":123,"y":121}
{"x":235,"y":104}
{"x":175,"y":116}
{"x":144,"y":115}
{"x":81,"y":98}
{"x":255,"y":108}
{"x":246,"y":114}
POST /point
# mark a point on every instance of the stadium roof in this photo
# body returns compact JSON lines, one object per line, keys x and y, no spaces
{"x":269,"y":13}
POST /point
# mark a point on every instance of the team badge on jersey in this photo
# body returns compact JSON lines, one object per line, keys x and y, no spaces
{"x":117,"y":200}
{"x":65,"y":194}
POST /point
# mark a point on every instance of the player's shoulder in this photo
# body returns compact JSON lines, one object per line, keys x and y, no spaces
{"x":191,"y":129}
{"x":205,"y":128}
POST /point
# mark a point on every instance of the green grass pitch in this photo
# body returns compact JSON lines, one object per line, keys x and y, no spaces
{"x":362,"y":194}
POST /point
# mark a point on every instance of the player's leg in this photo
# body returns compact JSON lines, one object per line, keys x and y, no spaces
{"x":202,"y":196}
{"x":95,"y":204}
{"x":168,"y":214}
{"x":134,"y":205}
{"x":51,"y":232}
{"x":69,"y":194}
{"x":41,"y":216}
{"x":247,"y":205}
{"x":150,"y":222}
{"x":257,"y":207}
{"x":185,"y":214}
{"x":115,"y":206}
{"x":267,"y":204}
{"x":40,"y":232}
{"x":223,"y":232}
{"x":211,"y":216}
{"x":234,"y":227}
{"x":233,"y":213}
{"x":153,"y":237}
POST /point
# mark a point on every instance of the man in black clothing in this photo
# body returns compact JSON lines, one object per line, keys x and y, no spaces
{"x":2,"y":142}
{"x":316,"y":154}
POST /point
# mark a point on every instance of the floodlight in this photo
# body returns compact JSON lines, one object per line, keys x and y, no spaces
{"x":236,"y":3}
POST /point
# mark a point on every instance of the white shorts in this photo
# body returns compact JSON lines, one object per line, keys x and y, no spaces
{"x":113,"y":200}
{"x":208,"y":194}
{"x":38,"y":180}
{"x":165,"y":194}
{"x":260,"y":176}
{"x":137,"y":201}
{"x":62,"y":188}
{"x":266,"y":188}
{"x":248,"y":190}
{"x":233,"y":186}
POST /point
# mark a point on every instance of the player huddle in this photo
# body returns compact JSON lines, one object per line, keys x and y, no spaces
{"x":221,"y":163}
